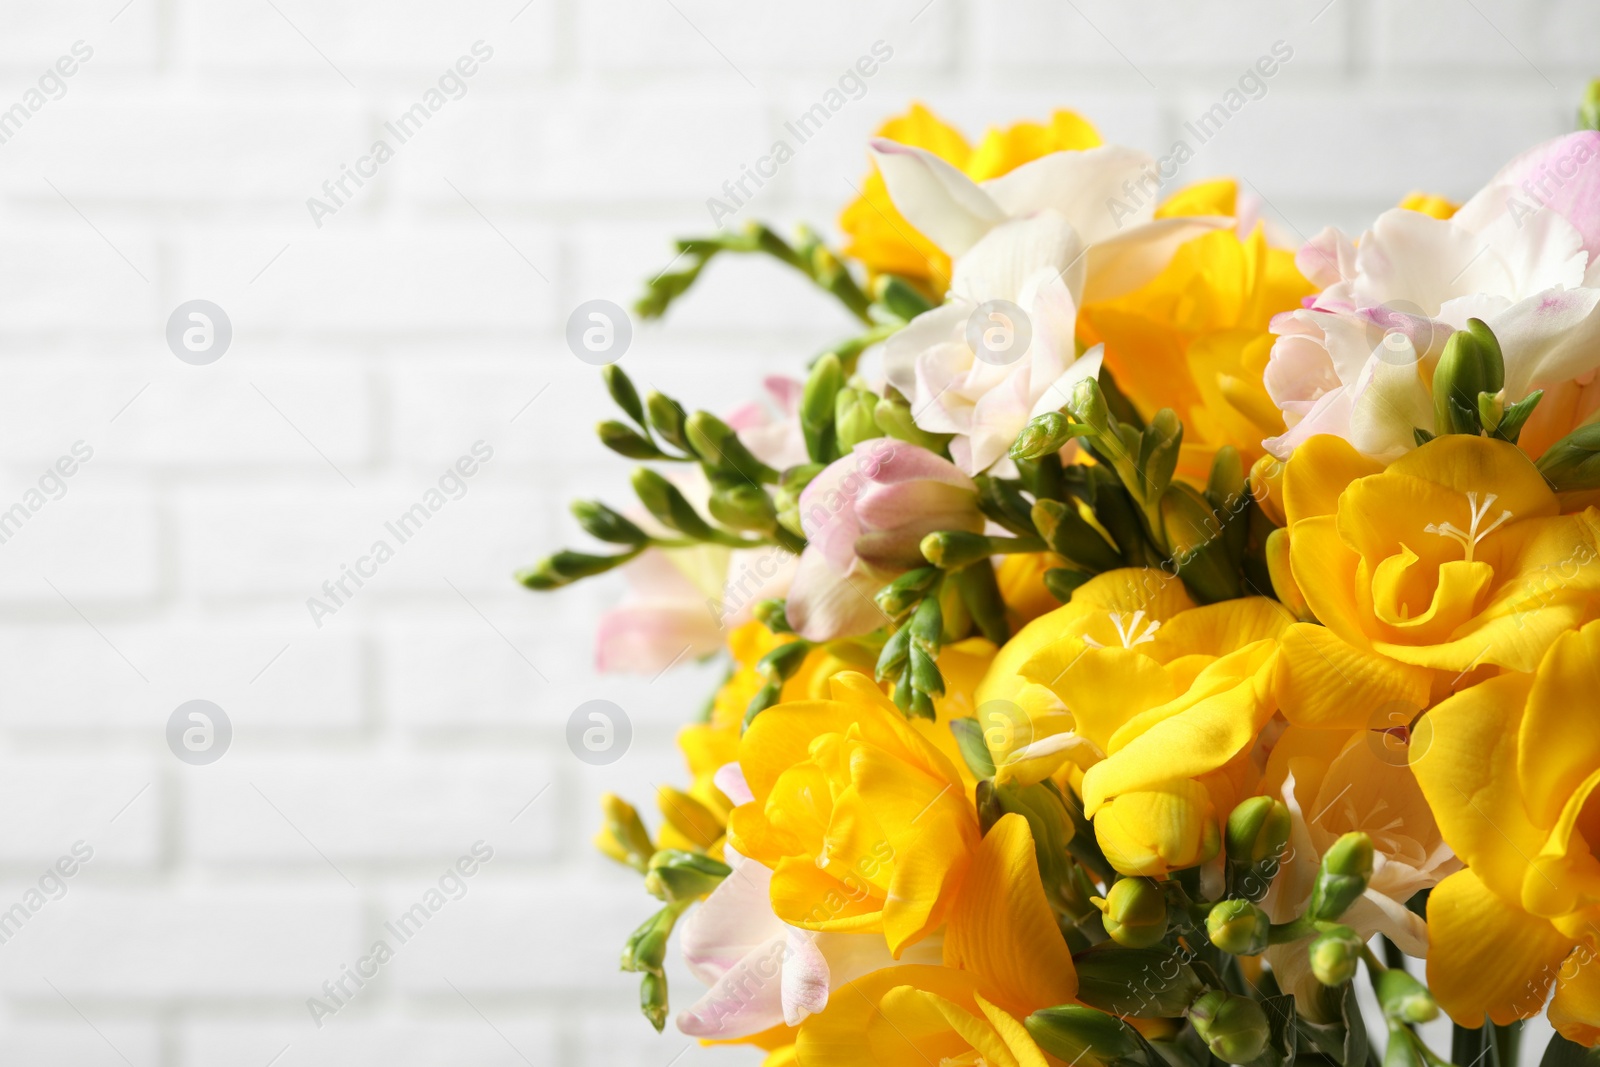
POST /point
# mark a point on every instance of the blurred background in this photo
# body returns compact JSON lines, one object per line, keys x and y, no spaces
{"x":172,"y":514}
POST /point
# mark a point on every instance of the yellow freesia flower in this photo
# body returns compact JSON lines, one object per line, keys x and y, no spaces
{"x":1453,"y":557}
{"x":864,"y":822}
{"x":1161,"y":702}
{"x":1004,"y":959}
{"x":1195,"y":339}
{"x":1511,"y":768}
{"x":887,"y":244}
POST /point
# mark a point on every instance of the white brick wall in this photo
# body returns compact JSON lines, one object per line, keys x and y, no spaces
{"x":370,"y":753}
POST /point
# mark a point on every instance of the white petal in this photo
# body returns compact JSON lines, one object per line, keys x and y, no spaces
{"x":805,"y":978}
{"x":1122,"y":262}
{"x":944,"y":205}
{"x":1082,"y":186}
{"x":1008,"y":256}
{"x":1409,"y":258}
{"x":1389,"y":404}
{"x":944,"y":325}
{"x":1549,"y":338}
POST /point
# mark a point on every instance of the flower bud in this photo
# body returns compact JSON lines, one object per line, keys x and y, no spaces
{"x":1404,"y":999}
{"x":782,"y":662}
{"x":1045,"y":435}
{"x":1256,"y":836}
{"x":1239,"y":927}
{"x":720,"y":449}
{"x":667,"y":418}
{"x":1284,"y":585}
{"x":1088,"y":405}
{"x":646,"y":948}
{"x":906,"y":591}
{"x":925,"y":676}
{"x":620,"y":386}
{"x":744,"y":507}
{"x":894,"y":418}
{"x":1074,"y":1034}
{"x":669,"y":506}
{"x":790,"y":485}
{"x":675,"y":875}
{"x":773,"y":614}
{"x":1149,"y":983}
{"x":1069,"y":534}
{"x":854,"y":418}
{"x":604,"y":524}
{"x":624,"y":837}
{"x":1471,"y":364}
{"x":1574,"y":461}
{"x":1346,"y":868}
{"x":899,"y":296}
{"x":1589,"y":110}
{"x":1193,"y":533}
{"x":688,"y":816}
{"x":624,"y":440}
{"x":566,"y":567}
{"x":1134,"y":911}
{"x":1234,"y":1028}
{"x":653,"y":999}
{"x":1335,"y":955}
{"x":953,"y":549}
{"x":817,"y":407}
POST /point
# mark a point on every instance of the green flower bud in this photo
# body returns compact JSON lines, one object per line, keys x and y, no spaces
{"x":1088,"y":405}
{"x":899,"y":296}
{"x":667,"y":418}
{"x":854,"y":418}
{"x":626,"y":831}
{"x":925,"y":676}
{"x":765,"y":697}
{"x":669,"y":506}
{"x":1134,"y":911}
{"x":566,"y":567}
{"x":1069,"y":534}
{"x":1471,"y":364}
{"x":604,"y":524}
{"x":1061,"y":581}
{"x":1149,"y":983}
{"x":1589,"y":110}
{"x":1193,"y":533}
{"x":624,"y":440}
{"x":906,"y":591}
{"x":1045,"y":435}
{"x":620,"y":386}
{"x":720,"y":449}
{"x":1234,"y":1028}
{"x":817,"y":407}
{"x":927,"y":624}
{"x":1075,"y":1034}
{"x":1346,"y":868}
{"x":894,"y":418}
{"x":744,"y":507}
{"x":1404,"y":999}
{"x":895,"y":652}
{"x":774,"y":615}
{"x":782,"y":662}
{"x":951,"y":550}
{"x":1574,"y":461}
{"x":787,"y":499}
{"x":1256,"y":836}
{"x":646,"y":948}
{"x":653,"y":999}
{"x":675,"y":875}
{"x":1158,"y":449}
{"x":1335,"y":955}
{"x":1238,"y":927}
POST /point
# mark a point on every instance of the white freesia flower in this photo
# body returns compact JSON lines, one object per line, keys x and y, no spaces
{"x":1520,"y":255}
{"x":1044,"y":239}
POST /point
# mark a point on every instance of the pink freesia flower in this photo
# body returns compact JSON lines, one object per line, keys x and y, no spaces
{"x":763,"y":972}
{"x":1521,"y":255}
{"x":864,"y":517}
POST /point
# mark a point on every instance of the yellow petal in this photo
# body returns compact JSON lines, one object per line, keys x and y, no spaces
{"x":1002,"y":927}
{"x":1221,"y":628}
{"x":1324,"y":568}
{"x":1465,"y":758}
{"x":1216,"y":197}
{"x":863,"y":1027}
{"x":1013,"y":1033}
{"x":1324,"y":683}
{"x":1487,"y":956}
{"x":1317,"y":473}
{"x":1557,"y":751}
{"x":1575,"y":1009}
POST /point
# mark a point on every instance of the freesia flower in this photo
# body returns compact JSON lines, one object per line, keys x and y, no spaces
{"x":761,"y":971}
{"x":1004,"y":958}
{"x":1451,"y":558}
{"x":1335,"y":782}
{"x":887,"y":244}
{"x":1029,"y":249}
{"x":1520,"y":255}
{"x":865,"y":823}
{"x":1165,"y":702}
{"x":1196,"y":338}
{"x":864,"y":517}
{"x":1511,"y":771}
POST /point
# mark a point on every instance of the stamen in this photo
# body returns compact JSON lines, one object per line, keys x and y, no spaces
{"x":1469,"y":538}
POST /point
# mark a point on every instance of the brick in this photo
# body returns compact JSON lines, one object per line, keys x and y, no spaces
{"x":154,"y":944}
{"x":69,"y":275}
{"x":365,"y":809}
{"x":39,"y":32}
{"x":348,"y":1039}
{"x":112,"y":804}
{"x":72,"y":1040}
{"x":92,"y":543}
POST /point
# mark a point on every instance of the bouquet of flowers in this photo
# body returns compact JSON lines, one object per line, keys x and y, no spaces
{"x":1142,"y":626}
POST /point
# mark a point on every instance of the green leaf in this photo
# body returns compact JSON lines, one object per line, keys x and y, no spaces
{"x":969,"y":739}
